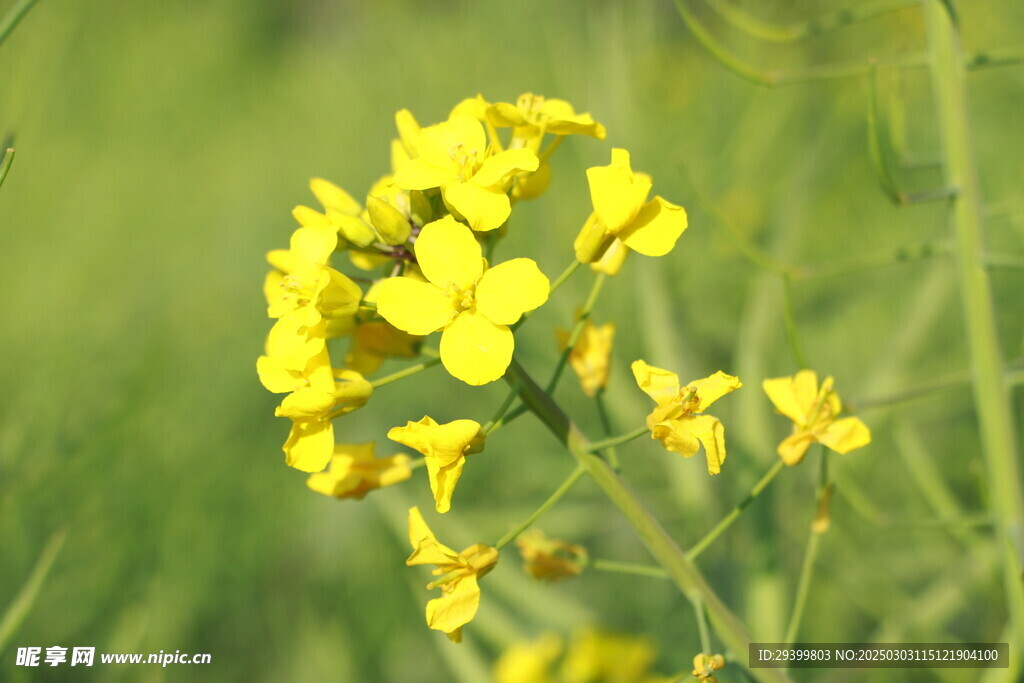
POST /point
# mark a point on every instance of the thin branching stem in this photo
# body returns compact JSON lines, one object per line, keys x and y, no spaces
{"x":854,"y":13}
{"x":407,"y":372}
{"x":558,"y":494}
{"x":13,"y":17}
{"x":577,"y":330}
{"x":810,"y":560}
{"x":617,"y":440}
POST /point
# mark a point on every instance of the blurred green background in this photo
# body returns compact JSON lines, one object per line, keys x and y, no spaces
{"x":161,"y":147}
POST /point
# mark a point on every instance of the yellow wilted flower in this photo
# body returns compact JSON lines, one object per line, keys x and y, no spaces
{"x":311,"y":407}
{"x":677,"y":421}
{"x":354,"y":471}
{"x":459,"y":572}
{"x":529,"y":661}
{"x":813,"y":412}
{"x":474,"y":305}
{"x":550,"y":559}
{"x":596,"y":656}
{"x":454,"y":156}
{"x":621,"y":210}
{"x":590,"y":357}
{"x":533,"y":115}
{"x":444,"y":448}
{"x":705,"y":665}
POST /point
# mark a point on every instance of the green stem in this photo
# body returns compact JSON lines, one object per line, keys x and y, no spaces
{"x":13,"y":16}
{"x":789,"y":320}
{"x":805,"y":29}
{"x":26,"y":597}
{"x":566,"y":274}
{"x":776,"y":78}
{"x":611,"y":452}
{"x":502,"y":409}
{"x":870,"y":261}
{"x":616,"y":440}
{"x":407,"y":372}
{"x":5,"y":165}
{"x":545,"y":506}
{"x":702,"y":626}
{"x":682,"y":572}
{"x":959,"y":380}
{"x":992,"y":397}
{"x":628,"y":568}
{"x":505,"y":419}
{"x":810,"y":557}
{"x":701,"y":545}
{"x":577,"y":330}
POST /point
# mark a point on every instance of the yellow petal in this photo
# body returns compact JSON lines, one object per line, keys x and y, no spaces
{"x":333,"y":197}
{"x":484,"y":208}
{"x":712,"y":388}
{"x":617,"y":194}
{"x":661,"y":385}
{"x":498,"y":167}
{"x":354,"y":229}
{"x":424,"y":174}
{"x":414,"y":306}
{"x":293,"y":343}
{"x":532,"y":185}
{"x":592,"y":241}
{"x":472,"y":106}
{"x":794,"y":447}
{"x":305,"y":403}
{"x":443,"y":479}
{"x":426,"y":548}
{"x":613,"y":259}
{"x":444,"y":443}
{"x":309,"y":445}
{"x":711,"y":434}
{"x":314,"y":244}
{"x":408,"y":130}
{"x":510,"y":289}
{"x":455,"y":608}
{"x":844,"y":435}
{"x":782,"y":392}
{"x":505,"y":115}
{"x":476,"y":350}
{"x":460,"y":132}
{"x":310,"y":218}
{"x":675,"y":436}
{"x":655,"y":229}
{"x":389,"y":223}
{"x":448,"y":254}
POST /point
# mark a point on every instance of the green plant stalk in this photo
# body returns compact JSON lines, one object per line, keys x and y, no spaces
{"x":407,"y":372}
{"x":22,"y":603}
{"x":577,"y":330}
{"x":683,"y":572}
{"x":810,"y":558}
{"x":611,"y":452}
{"x":13,"y":17}
{"x":861,"y":11}
{"x":5,"y":164}
{"x":628,"y":568}
{"x":701,"y":545}
{"x":789,"y":318}
{"x":559,"y":493}
{"x":702,"y":626}
{"x":991,"y":393}
{"x":501,"y":411}
{"x":616,"y":440}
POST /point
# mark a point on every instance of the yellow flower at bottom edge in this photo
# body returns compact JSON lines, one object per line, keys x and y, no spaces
{"x":471,"y":303}
{"x":705,"y":665}
{"x":528,"y":661}
{"x":459,"y":572}
{"x":597,"y":656}
{"x":591,"y":355}
{"x":354,"y":471}
{"x":444,"y":448}
{"x":813,"y":412}
{"x":678,"y":420}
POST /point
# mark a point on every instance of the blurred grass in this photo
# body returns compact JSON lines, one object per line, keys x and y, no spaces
{"x":160,"y":149}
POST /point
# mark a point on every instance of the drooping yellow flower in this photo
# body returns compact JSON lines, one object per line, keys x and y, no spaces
{"x":621,"y":210}
{"x":473,"y":177}
{"x":473,"y":304}
{"x":354,"y":471}
{"x":550,"y":559}
{"x":459,"y":572}
{"x":814,"y":414}
{"x":706,"y":665}
{"x":590,"y":358}
{"x":678,"y":420}
{"x":444,"y":448}
{"x":528,"y":661}
{"x":311,"y":408}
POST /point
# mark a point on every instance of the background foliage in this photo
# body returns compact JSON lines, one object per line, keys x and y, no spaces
{"x":161,"y":147}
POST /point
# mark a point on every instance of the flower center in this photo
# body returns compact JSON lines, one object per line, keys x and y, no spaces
{"x":463,"y":299}
{"x":468,"y":160}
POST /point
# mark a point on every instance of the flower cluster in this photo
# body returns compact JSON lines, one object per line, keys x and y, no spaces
{"x":363,"y":283}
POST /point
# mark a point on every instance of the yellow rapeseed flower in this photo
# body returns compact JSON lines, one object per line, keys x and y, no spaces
{"x":706,"y":665}
{"x":534,"y":115}
{"x":472,"y":303}
{"x":341,"y":211}
{"x":444,"y":448}
{"x":621,"y":210}
{"x":678,"y":420}
{"x":550,"y":559}
{"x":814,"y":414}
{"x":528,"y":661}
{"x":473,"y":177}
{"x":590,"y":358}
{"x":459,"y":575}
{"x":374,"y":341}
{"x":354,"y":471}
